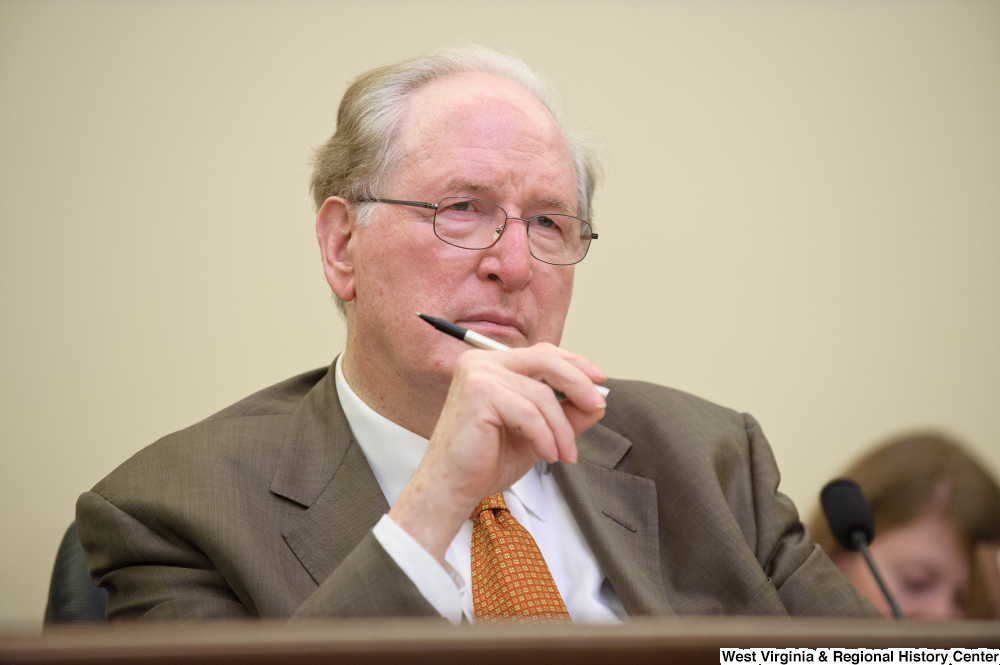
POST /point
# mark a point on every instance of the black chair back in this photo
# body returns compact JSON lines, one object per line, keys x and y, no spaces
{"x":73,"y":598}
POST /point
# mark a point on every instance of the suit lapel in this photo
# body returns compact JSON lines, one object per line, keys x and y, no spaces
{"x":323,"y":469}
{"x":617,"y":514}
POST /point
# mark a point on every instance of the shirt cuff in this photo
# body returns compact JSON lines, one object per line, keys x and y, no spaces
{"x":441,"y":586}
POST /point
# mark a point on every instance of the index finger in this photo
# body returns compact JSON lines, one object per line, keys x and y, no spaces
{"x":569,"y":375}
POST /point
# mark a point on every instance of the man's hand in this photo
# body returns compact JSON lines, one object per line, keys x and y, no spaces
{"x":497,"y":420}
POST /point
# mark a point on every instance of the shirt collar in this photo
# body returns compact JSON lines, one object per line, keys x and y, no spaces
{"x":393,"y":452}
{"x":528,"y":490}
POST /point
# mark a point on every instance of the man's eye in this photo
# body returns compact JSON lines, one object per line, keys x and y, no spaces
{"x":545,"y":222}
{"x":461,"y":206}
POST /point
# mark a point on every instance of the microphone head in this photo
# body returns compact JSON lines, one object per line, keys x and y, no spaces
{"x":846,"y":512}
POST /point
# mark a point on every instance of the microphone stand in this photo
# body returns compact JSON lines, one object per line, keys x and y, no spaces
{"x":861,"y":542}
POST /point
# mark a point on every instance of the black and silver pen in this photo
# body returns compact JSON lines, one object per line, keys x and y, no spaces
{"x":472,"y":338}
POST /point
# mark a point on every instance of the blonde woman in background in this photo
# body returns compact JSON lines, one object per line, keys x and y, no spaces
{"x":933,"y":504}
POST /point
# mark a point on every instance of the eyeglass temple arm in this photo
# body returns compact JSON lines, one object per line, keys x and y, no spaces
{"x":415,"y":204}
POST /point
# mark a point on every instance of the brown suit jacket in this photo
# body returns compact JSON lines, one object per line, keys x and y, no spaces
{"x":266,"y":510}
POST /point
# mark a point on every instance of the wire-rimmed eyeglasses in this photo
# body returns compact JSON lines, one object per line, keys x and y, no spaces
{"x":472,"y":223}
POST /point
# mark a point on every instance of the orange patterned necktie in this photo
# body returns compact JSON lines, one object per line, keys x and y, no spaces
{"x":510,"y":581}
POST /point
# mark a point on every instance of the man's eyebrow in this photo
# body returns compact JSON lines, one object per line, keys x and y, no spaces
{"x":558,"y":204}
{"x":466,"y":186}
{"x":459,"y":185}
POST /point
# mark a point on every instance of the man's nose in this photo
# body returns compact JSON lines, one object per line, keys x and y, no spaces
{"x":509,"y":260}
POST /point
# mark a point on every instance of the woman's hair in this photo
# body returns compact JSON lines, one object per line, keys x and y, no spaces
{"x":915,"y":474}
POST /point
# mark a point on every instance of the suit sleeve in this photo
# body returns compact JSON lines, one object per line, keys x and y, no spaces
{"x":368,"y":583}
{"x":149,"y":575}
{"x":153,"y":574}
{"x":808,"y":583}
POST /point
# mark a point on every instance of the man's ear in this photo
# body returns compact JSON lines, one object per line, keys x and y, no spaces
{"x":334,"y":232}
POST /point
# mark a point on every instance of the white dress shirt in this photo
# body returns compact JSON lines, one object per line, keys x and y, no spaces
{"x":535,"y":501}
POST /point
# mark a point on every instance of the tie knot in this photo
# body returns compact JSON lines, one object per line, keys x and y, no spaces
{"x":494,"y":502}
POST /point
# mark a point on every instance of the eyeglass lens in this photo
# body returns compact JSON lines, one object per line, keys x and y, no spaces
{"x":472,"y":223}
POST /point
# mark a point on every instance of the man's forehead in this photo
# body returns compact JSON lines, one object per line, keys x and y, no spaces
{"x":482,"y":135}
{"x":480,"y":105}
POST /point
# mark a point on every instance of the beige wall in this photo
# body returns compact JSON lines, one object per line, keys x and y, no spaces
{"x":801,"y":217}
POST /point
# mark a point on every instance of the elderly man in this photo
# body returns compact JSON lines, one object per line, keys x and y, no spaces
{"x":449,"y":188}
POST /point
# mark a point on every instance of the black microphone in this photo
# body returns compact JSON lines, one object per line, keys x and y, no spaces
{"x":852,"y":525}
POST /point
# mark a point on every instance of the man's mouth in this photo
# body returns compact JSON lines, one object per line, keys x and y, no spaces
{"x":493,"y":324}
